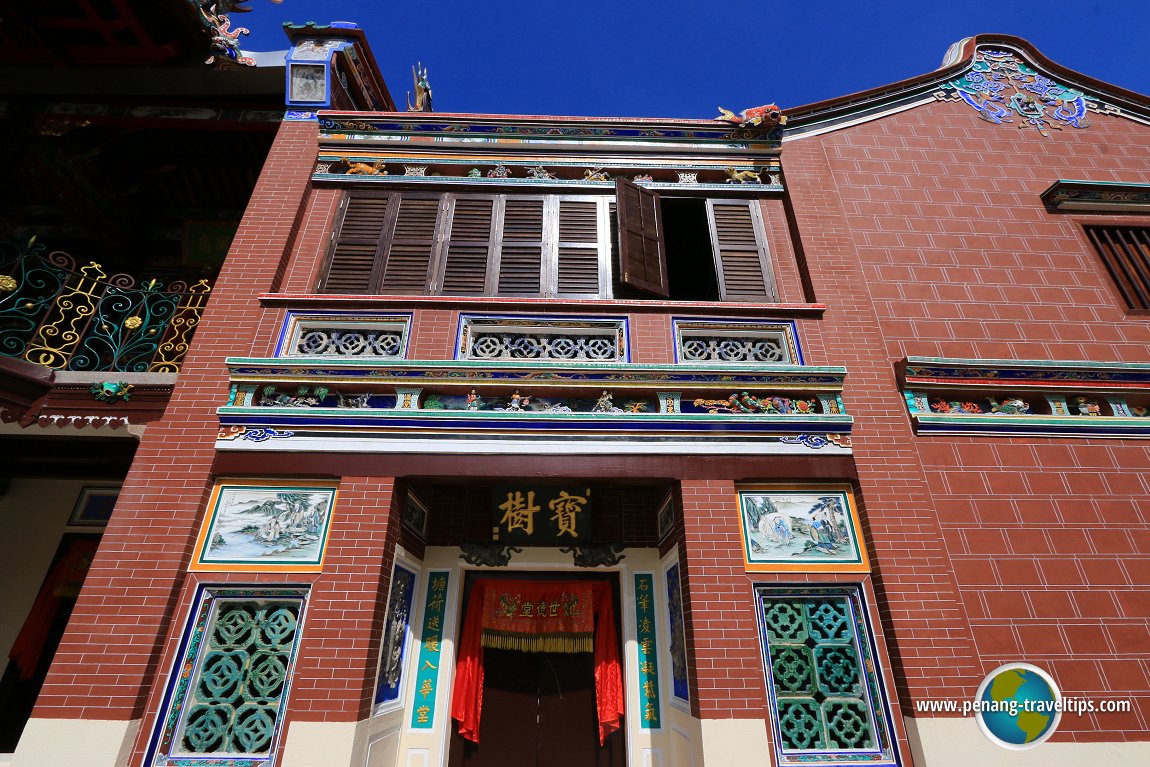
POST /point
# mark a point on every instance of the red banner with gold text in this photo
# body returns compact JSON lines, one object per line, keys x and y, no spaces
{"x":537,"y":616}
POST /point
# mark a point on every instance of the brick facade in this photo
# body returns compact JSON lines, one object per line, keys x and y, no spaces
{"x":920,"y":233}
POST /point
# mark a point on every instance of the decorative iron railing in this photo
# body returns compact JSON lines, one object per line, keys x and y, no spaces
{"x":56,"y":315}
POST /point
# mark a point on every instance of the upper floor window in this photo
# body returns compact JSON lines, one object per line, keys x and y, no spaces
{"x":633,"y":244}
{"x":1125,"y":252}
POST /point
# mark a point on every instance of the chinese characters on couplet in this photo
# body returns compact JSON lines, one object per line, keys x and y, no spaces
{"x":427,"y":677}
{"x":648,"y":666}
{"x":542,"y":515}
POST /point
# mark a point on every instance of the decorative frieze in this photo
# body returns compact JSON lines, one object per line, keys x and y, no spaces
{"x":789,"y":405}
{"x":1083,"y":399}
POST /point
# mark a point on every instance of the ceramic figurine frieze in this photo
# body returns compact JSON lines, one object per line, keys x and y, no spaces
{"x":499,"y":171}
{"x":955,"y":406}
{"x":474,"y":401}
{"x":1085,"y":406}
{"x":355,"y":168}
{"x":735,"y":176}
{"x":355,"y":401}
{"x":1009,"y":406}
{"x":597,"y":174}
{"x":746,"y":403}
{"x":539,"y":173}
{"x":1010,"y":397}
{"x":303,"y":397}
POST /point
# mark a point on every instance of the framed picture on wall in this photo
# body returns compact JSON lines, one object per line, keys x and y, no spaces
{"x":415,"y":515}
{"x":94,"y":506}
{"x":665,"y":518}
{"x":253,"y":526}
{"x":808,"y":528}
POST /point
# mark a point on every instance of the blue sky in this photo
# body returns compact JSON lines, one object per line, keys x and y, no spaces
{"x":681,"y":59}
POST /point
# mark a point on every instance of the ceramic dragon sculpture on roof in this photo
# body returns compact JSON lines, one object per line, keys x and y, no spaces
{"x":766,"y":116}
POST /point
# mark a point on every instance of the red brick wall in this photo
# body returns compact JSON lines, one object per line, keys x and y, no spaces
{"x":933,"y":218}
{"x":925,"y":621}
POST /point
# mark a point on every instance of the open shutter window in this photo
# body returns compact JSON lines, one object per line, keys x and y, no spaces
{"x":521,"y":254}
{"x":465,"y":269}
{"x":353,"y":258}
{"x":740,"y":252}
{"x":578,"y":247}
{"x":409,"y":256}
{"x":642,"y":260}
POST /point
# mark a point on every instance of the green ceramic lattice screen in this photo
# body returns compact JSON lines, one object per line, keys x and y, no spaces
{"x":225,"y":706}
{"x":826,"y":697}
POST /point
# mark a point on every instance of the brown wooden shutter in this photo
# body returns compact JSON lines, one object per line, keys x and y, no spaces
{"x":353,"y":261}
{"x":1125,"y":252}
{"x":412,"y":245}
{"x":467,"y":249}
{"x":741,"y":258}
{"x":521,"y":251}
{"x":643,"y":262}
{"x":578,"y":265}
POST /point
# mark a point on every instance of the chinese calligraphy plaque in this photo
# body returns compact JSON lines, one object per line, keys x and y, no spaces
{"x":541,"y":515}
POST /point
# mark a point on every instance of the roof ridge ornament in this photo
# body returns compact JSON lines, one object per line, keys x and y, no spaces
{"x":422,"y":90}
{"x":766,"y":116}
{"x":1002,"y":88}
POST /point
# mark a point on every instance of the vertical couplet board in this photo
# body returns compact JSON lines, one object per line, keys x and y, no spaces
{"x":430,"y":652}
{"x":648,"y":663}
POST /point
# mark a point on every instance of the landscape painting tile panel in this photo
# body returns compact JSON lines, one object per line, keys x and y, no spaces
{"x":266,"y":528}
{"x":813,"y":528}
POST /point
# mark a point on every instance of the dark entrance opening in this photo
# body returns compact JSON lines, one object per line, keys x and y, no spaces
{"x":539,"y":707}
{"x":40,"y":636}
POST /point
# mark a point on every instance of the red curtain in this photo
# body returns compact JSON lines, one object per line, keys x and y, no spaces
{"x":506,"y":614}
{"x":63,"y":581}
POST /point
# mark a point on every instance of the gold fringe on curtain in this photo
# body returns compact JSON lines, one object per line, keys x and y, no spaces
{"x":571,"y":643}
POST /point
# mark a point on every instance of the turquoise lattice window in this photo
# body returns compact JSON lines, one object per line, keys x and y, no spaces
{"x":827,"y":698}
{"x":225,"y":705}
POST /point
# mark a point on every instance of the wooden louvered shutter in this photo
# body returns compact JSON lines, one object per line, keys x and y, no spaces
{"x":521,"y":251}
{"x":354,"y":264}
{"x":409,"y":255}
{"x":741,"y":257}
{"x":467,"y":248}
{"x":578,"y":257}
{"x":642,"y":259}
{"x":1125,"y":252}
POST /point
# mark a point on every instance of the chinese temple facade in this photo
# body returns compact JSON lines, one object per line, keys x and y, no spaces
{"x":523,"y":440}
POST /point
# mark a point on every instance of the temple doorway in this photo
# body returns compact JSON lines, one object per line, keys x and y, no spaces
{"x":539,"y":709}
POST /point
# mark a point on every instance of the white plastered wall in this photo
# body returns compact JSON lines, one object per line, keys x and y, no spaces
{"x":88,"y":742}
{"x":958,"y":742}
